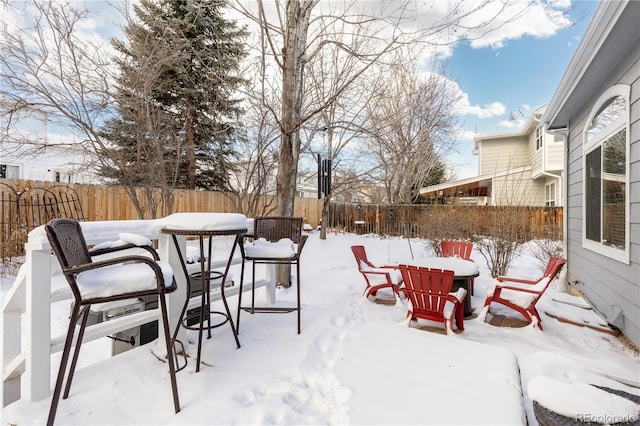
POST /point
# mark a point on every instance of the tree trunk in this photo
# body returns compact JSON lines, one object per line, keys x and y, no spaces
{"x":295,"y":42}
{"x":325,"y":217}
{"x":191,"y":152}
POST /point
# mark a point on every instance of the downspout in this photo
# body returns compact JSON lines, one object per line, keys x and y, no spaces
{"x":564,"y":132}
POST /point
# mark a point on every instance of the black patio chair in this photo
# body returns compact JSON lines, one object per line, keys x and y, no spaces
{"x":102,"y":281}
{"x":270,"y":246}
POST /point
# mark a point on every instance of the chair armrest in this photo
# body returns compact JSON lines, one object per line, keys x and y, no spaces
{"x":113,"y":261}
{"x":522,"y":289}
{"x":460,"y":294}
{"x":164,"y":278}
{"x":374,"y":272}
{"x":516,"y":280}
{"x":129,"y":246}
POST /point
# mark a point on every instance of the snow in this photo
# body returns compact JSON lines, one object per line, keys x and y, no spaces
{"x":461,"y":267}
{"x":519,"y":298}
{"x":205,"y":221}
{"x":355,"y":362}
{"x":122,"y":278}
{"x":379,"y":275}
{"x":588,"y":399}
{"x":125,"y":238}
{"x":261,"y":248}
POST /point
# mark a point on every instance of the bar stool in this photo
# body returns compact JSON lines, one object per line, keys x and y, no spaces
{"x":276,"y":240}
{"x":109,"y":280}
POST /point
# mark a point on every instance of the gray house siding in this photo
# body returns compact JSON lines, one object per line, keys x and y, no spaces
{"x":610,"y":285}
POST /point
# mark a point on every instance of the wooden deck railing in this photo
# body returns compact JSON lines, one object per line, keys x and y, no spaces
{"x":26,"y":363}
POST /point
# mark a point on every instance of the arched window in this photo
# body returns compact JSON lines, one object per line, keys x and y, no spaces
{"x":606,"y":168}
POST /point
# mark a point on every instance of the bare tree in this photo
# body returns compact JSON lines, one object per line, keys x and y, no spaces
{"x":367,"y":31}
{"x":49,"y":64}
{"x":252,"y":181}
{"x":505,"y":223}
{"x":339,"y":121}
{"x":295,"y":35}
{"x":153,"y":124}
{"x":412,"y":125}
{"x":292,"y":48}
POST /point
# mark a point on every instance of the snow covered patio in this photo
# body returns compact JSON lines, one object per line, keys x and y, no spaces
{"x":355,"y":362}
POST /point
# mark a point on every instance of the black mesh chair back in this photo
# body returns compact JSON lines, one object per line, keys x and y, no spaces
{"x":273,"y":229}
{"x":68,"y":243}
{"x":276,"y":228}
{"x":149,"y":276}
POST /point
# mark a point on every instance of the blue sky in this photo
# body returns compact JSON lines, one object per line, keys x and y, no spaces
{"x":515,"y":68}
{"x":521,"y":76}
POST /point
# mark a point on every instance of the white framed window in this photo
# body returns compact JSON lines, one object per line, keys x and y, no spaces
{"x":62,"y":176}
{"x":606,"y":174}
{"x":8,"y":171}
{"x":550,"y":194}
{"x":539,"y":137}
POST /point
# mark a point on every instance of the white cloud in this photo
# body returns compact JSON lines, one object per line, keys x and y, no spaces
{"x":494,"y":109}
{"x":464,"y":106}
{"x":511,"y":124}
{"x":468,"y":135}
{"x":562,"y":4}
{"x":489,"y":23}
{"x":518,"y":20}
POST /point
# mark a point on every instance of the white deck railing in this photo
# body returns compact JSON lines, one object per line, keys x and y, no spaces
{"x":27,"y":346}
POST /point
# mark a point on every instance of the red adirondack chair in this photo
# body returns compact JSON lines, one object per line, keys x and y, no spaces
{"x":455,"y":248}
{"x":428,"y":293}
{"x":376,"y":277}
{"x":522,"y":295}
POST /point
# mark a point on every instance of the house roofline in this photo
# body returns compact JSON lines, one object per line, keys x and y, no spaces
{"x":602,"y":23}
{"x":471,"y":180}
{"x":524,"y":130}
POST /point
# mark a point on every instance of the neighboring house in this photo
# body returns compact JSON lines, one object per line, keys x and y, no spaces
{"x":28,"y":152}
{"x":49,"y":162}
{"x":521,"y":168}
{"x":596,"y":108}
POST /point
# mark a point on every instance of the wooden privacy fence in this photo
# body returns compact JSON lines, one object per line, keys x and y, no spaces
{"x":25,"y":205}
{"x":447,"y":221}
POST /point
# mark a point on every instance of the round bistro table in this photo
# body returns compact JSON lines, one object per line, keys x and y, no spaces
{"x":204,"y":277}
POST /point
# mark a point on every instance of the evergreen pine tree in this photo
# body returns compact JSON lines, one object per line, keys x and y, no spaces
{"x":176,"y":102}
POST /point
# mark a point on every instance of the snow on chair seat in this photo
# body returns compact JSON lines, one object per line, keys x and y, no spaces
{"x":522,"y":295}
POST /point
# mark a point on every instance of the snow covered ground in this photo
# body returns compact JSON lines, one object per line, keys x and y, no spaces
{"x":357,"y":362}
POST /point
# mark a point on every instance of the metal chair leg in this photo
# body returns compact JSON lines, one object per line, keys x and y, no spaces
{"x":240,"y":298}
{"x":170,"y":352}
{"x":63,"y":364}
{"x":298,"y":291}
{"x":74,"y":361}
{"x":253,"y":286}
